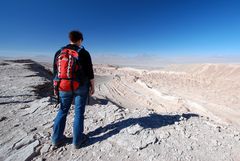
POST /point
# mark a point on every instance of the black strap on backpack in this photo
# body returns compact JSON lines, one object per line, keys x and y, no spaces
{"x":58,"y":99}
{"x":72,"y":80}
{"x":58,"y":82}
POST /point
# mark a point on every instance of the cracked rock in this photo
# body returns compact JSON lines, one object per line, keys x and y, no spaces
{"x":135,"y":129}
{"x":26,"y":153}
{"x":45,"y":148}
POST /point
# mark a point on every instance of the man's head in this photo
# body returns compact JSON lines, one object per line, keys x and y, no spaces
{"x":76,"y":37}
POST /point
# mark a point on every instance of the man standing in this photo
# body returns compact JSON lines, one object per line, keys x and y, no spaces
{"x":74,"y":81}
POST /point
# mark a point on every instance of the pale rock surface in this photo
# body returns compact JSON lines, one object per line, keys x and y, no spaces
{"x":126,"y":120}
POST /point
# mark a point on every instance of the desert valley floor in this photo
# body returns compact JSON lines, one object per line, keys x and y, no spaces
{"x":179,"y":113}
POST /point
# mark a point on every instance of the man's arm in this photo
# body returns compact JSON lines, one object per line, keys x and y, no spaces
{"x":90,"y":74}
{"x":54,"y":64}
{"x":55,"y":84}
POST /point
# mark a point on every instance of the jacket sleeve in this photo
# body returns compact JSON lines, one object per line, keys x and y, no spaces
{"x":54,"y":64}
{"x":89,"y":66}
{"x":90,"y":69}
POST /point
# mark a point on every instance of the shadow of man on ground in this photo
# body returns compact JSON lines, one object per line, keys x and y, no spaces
{"x":152,"y":121}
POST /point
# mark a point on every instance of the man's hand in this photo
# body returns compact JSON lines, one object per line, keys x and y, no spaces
{"x":92,"y":88}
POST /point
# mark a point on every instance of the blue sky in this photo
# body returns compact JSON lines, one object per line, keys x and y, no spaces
{"x":122,"y":27}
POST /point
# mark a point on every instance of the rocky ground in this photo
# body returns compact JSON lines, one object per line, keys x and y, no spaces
{"x":115,"y":132}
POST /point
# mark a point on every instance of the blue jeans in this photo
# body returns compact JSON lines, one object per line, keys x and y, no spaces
{"x":79,"y":96}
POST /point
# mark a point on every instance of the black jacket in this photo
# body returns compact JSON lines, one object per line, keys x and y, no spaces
{"x":84,"y":60}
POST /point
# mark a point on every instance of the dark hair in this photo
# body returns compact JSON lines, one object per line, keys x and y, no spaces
{"x":75,"y":36}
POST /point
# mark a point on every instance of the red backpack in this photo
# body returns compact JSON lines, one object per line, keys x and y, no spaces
{"x":67,"y":67}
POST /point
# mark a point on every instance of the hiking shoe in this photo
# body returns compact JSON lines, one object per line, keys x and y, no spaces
{"x":57,"y":144}
{"x":84,"y":139}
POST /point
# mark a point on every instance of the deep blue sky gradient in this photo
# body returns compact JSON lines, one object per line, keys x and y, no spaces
{"x":123,"y":27}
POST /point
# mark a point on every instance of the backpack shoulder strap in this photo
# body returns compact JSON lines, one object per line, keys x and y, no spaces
{"x":55,"y":70}
{"x":60,"y":51}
